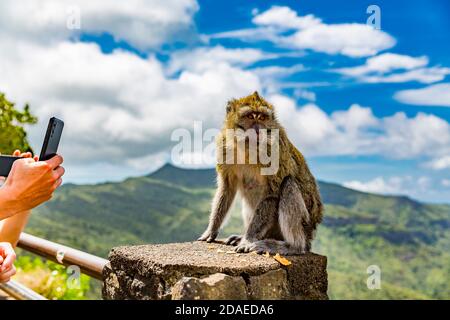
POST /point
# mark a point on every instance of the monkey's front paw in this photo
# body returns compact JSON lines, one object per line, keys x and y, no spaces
{"x":233,"y":240}
{"x":245,"y":247}
{"x":208,"y":236}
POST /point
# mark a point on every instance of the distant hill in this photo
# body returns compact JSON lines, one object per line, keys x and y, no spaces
{"x":408,"y":240}
{"x":199,"y":178}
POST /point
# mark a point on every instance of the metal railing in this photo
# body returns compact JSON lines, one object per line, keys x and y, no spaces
{"x":88,"y":263}
{"x":19,"y":292}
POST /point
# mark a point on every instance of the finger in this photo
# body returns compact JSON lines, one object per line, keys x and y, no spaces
{"x":10,"y":257}
{"x":26,"y":155}
{"x":3,"y":246}
{"x":57,"y":183}
{"x":6,"y":276}
{"x":36,"y":158}
{"x":16,"y":153}
{"x":8,"y":262}
{"x":58,"y":172}
{"x":55,"y":162}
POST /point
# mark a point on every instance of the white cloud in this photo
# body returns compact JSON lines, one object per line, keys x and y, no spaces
{"x":445,"y":182}
{"x":440,"y":163}
{"x":422,"y":75}
{"x":117,"y":106}
{"x":350,"y":39}
{"x":204,"y":58}
{"x":393,"y":185}
{"x":271,"y":77}
{"x":419,"y":136}
{"x":278,"y":71}
{"x":433,"y":95}
{"x":380,"y":69}
{"x":377,"y":185}
{"x":384,"y":63}
{"x":357,"y":131}
{"x":145,"y":24}
{"x":305,"y":94}
{"x":285,"y":17}
{"x":250,"y":34}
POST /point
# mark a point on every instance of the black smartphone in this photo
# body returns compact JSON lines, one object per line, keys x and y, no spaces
{"x":52,"y":138}
{"x":49,"y":148}
{"x":6,"y":163}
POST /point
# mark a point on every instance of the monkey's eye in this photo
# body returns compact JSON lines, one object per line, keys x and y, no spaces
{"x":250,"y":116}
{"x":262,"y":117}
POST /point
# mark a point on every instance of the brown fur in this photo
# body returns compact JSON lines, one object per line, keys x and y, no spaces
{"x":255,"y":188}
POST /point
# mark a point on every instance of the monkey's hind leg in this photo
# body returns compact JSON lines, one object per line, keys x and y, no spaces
{"x":294,"y":222}
{"x":263,"y":224}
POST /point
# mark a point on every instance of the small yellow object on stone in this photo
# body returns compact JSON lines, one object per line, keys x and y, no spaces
{"x":267,"y":254}
{"x":282,"y":260}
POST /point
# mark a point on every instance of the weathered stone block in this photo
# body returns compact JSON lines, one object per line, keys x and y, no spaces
{"x":218,"y":286}
{"x":164,"y":271}
{"x":271,"y":285}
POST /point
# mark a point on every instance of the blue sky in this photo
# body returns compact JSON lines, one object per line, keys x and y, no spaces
{"x":420,"y":28}
{"x":369,"y":108}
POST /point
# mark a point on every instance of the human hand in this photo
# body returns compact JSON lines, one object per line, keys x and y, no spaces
{"x":17,"y":153}
{"x":30,"y":182}
{"x":7,"y":258}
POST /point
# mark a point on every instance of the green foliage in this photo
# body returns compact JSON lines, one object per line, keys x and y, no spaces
{"x":408,"y":240}
{"x":12,"y":134}
{"x":51,"y":280}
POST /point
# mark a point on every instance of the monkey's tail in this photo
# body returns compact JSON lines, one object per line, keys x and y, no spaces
{"x":276,"y":246}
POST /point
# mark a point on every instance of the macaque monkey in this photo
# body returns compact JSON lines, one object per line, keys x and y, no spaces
{"x":282,"y":209}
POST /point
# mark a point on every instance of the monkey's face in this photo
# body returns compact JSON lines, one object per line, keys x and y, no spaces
{"x":251,"y":113}
{"x":251,"y":118}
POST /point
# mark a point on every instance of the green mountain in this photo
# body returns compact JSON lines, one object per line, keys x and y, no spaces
{"x":409,"y":241}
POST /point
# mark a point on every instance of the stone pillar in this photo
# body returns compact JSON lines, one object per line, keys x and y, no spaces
{"x":199,"y":270}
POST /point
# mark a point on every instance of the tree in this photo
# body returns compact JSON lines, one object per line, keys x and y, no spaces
{"x":12,"y":133}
